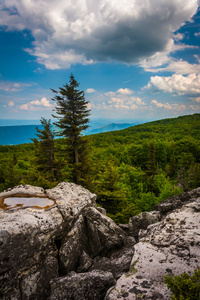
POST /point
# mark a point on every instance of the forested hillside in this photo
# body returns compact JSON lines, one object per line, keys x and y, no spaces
{"x":130,"y":170}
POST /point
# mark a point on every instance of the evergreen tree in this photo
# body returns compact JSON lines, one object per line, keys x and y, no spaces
{"x":111,"y":194}
{"x":182,"y":178}
{"x":151,"y":164}
{"x":45,"y":151}
{"x":10,"y":172}
{"x":72,"y":115}
{"x":194,"y":175}
{"x":172,"y":168}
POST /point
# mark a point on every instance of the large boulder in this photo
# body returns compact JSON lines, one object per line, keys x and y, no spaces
{"x":92,"y":235}
{"x":30,"y":239}
{"x":118,"y":261}
{"x":168,"y":247}
{"x":38,"y":245}
{"x":83,"y":286}
{"x":177,"y":201}
{"x":104,"y":235}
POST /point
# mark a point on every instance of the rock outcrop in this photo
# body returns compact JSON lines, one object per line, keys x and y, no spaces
{"x":73,"y":251}
{"x":171,"y":246}
{"x":39,"y":245}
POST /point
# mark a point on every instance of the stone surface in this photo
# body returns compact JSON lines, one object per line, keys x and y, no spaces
{"x":104,"y":235}
{"x":142,"y":221}
{"x":171,"y":246}
{"x":102,"y":210}
{"x":39,"y":248}
{"x":30,"y":239}
{"x":72,"y":247}
{"x":93,"y":234}
{"x":23,"y":189}
{"x":71,"y":199}
{"x":83,"y":286}
{"x":118,"y":261}
{"x":178,"y":201}
{"x":37,"y":245}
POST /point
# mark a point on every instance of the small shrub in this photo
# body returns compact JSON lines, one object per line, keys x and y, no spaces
{"x":184,"y":287}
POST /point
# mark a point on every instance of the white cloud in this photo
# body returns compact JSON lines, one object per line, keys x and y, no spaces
{"x":178,"y":36}
{"x":70,"y":32}
{"x":121,"y":99}
{"x":11,"y":103}
{"x":35,"y":102}
{"x":125,"y":91}
{"x":162,"y":61}
{"x":195,"y":107}
{"x":197,"y":34}
{"x":8,"y":86}
{"x":182,"y":67}
{"x":25,"y":107}
{"x":176,"y":83}
{"x":169,"y":106}
{"x":177,"y":66}
{"x":36,"y":105}
{"x":90,"y":91}
{"x":45,"y":102}
{"x":197,"y":99}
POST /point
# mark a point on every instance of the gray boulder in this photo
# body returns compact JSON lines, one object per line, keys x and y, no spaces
{"x":178,"y":201}
{"x":168,"y":247}
{"x":30,"y":239}
{"x":83,"y":286}
{"x":38,"y":245}
{"x":104,"y":235}
{"x":93,"y":234}
{"x":142,"y":221}
{"x":118,"y":261}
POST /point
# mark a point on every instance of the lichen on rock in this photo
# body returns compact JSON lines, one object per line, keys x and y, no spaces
{"x":170,"y":246}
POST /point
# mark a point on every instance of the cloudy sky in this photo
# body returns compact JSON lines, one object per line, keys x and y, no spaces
{"x":134,"y":59}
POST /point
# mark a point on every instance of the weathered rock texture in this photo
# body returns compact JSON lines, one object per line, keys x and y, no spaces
{"x":142,"y":221}
{"x":171,"y":246}
{"x":73,"y":251}
{"x":82,"y":286}
{"x":38,"y":245}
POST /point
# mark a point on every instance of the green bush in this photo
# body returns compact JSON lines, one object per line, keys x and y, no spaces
{"x":184,"y":287}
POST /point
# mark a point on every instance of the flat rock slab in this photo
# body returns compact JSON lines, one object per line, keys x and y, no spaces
{"x":167,"y":247}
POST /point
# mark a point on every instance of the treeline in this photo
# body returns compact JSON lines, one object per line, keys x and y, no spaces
{"x":130,"y":170}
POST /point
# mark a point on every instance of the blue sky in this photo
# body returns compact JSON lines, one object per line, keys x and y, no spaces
{"x":134,"y":59}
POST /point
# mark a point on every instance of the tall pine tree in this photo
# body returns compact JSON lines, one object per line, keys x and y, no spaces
{"x":72,"y":115}
{"x":45,"y":150}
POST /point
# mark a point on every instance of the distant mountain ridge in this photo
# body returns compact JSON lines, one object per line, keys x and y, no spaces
{"x":20,"y":134}
{"x":15,"y":135}
{"x":15,"y":122}
{"x":109,"y":127}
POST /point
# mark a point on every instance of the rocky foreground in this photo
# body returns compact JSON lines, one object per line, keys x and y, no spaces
{"x":73,"y":251}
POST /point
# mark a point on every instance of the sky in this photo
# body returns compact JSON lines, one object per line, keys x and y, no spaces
{"x":134,"y":60}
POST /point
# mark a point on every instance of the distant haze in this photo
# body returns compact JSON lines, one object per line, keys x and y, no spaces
{"x":14,"y":132}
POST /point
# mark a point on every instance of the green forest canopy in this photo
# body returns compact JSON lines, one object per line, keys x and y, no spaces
{"x":130,"y":170}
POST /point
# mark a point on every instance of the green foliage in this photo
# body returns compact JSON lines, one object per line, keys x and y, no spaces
{"x":130,"y":170}
{"x":110,"y":192}
{"x":184,"y":287}
{"x":45,"y":151}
